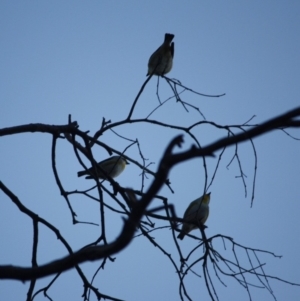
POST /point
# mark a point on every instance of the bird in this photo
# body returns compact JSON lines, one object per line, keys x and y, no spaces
{"x":112,"y":166}
{"x":197,"y":212}
{"x":161,"y":60}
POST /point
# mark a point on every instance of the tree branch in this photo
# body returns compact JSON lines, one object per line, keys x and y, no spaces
{"x":168,"y":161}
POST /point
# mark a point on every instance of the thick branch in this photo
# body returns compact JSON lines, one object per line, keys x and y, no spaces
{"x":39,"y":127}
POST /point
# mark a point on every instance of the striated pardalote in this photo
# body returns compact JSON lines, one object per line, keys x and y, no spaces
{"x":197,"y":212}
{"x":112,"y":166}
{"x":162,"y":59}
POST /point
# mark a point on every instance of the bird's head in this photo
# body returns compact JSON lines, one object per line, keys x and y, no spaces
{"x":125,"y":161}
{"x":206,"y":198}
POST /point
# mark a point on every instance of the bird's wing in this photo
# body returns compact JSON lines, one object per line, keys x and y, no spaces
{"x":205,"y":216}
{"x":106,"y":160}
{"x":172,"y":49}
{"x":192,"y":207}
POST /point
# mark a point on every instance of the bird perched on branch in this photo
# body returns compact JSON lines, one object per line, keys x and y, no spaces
{"x":112,"y":166}
{"x":162,"y":59}
{"x":197,"y":212}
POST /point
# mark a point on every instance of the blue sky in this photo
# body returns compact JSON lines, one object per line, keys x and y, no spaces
{"x":89,"y":59}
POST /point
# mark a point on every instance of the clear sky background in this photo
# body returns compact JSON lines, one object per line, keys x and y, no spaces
{"x":89,"y":59}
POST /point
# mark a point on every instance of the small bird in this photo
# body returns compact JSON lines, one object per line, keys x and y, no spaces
{"x":162,"y":59}
{"x":112,"y":166}
{"x":197,"y":211}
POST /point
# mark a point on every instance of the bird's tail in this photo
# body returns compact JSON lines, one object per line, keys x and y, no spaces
{"x":181,"y":235}
{"x":81,"y":173}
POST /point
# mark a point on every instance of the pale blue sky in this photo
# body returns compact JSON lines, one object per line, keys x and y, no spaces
{"x":89,"y":59}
